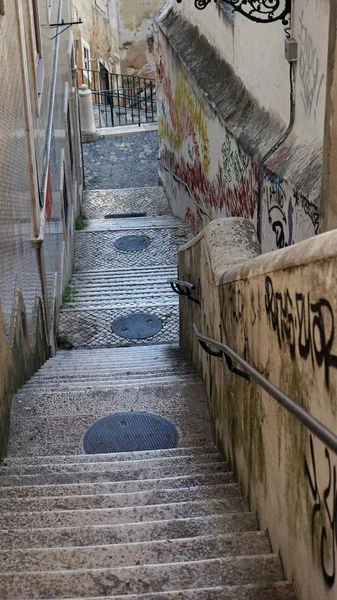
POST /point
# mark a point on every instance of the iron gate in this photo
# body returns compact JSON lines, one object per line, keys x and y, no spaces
{"x":120,"y":99}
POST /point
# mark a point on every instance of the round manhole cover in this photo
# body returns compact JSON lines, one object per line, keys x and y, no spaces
{"x":130,"y":432}
{"x":132,"y":243}
{"x":136,"y":326}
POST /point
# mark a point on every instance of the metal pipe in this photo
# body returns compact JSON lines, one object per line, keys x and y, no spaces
{"x":324,"y":434}
{"x":273,"y":149}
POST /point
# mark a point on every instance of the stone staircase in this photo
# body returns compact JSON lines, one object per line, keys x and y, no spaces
{"x":151,"y":525}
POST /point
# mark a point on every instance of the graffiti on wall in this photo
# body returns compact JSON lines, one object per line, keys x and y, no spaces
{"x":232,"y":187}
{"x":222,"y":177}
{"x":289,"y":212}
{"x":234,"y":162}
{"x":324,"y":514}
{"x":310,"y":73}
{"x":306,"y":327}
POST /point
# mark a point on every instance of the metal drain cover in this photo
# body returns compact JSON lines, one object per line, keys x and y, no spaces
{"x":132,"y":243}
{"x":130,"y":432}
{"x":136,"y":326}
{"x":125,"y":215}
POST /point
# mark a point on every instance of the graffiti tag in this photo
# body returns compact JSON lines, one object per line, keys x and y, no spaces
{"x":324,"y":515}
{"x":308,"y":328}
{"x":309,"y":71}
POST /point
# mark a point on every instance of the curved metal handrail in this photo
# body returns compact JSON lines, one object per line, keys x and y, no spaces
{"x":316,"y":427}
{"x":183,"y":288}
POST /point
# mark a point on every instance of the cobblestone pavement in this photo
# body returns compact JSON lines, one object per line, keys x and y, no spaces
{"x":124,"y":161}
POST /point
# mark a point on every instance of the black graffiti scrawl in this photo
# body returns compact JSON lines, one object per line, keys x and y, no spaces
{"x":324,"y":515}
{"x":306,"y":327}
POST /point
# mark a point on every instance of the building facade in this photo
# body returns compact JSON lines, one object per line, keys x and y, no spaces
{"x":240,"y":126}
{"x":41,"y":184}
{"x":116,"y":36}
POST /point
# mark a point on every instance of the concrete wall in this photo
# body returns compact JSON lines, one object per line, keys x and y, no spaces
{"x":224,"y":101}
{"x":278,"y":312}
{"x":40,"y":189}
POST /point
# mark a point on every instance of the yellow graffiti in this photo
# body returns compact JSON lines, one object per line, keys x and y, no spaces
{"x":184,"y":100}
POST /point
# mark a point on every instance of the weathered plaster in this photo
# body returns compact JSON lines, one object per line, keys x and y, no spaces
{"x":213,"y":135}
{"x":19,"y":361}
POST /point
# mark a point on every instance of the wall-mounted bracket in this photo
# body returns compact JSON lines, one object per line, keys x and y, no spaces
{"x":63,"y":24}
{"x":219,"y":353}
{"x":259,"y":11}
{"x":183,"y":288}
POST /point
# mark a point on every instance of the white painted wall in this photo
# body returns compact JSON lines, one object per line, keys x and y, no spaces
{"x":310,"y":27}
{"x":256,"y":52}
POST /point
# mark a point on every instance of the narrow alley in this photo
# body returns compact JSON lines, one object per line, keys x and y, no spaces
{"x":112,"y":486}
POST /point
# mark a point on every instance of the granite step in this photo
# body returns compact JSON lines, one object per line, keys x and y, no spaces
{"x":108,"y":383}
{"x":72,"y":444}
{"x":114,"y":464}
{"x":98,"y":203}
{"x":117,"y":487}
{"x":95,"y":475}
{"x":281,"y":590}
{"x":145,"y":531}
{"x":138,"y":579}
{"x":118,"y":456}
{"x":120,"y":555}
{"x":111,"y":371}
{"x":172,"y":400}
{"x":153,"y":497}
{"x":129,"y":514}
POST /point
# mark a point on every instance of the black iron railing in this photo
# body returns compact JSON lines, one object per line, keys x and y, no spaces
{"x":316,"y":427}
{"x":120,"y":99}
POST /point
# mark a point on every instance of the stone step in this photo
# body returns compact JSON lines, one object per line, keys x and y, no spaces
{"x":117,"y":487}
{"x":129,"y":514}
{"x":102,"y":384}
{"x":98,"y":203}
{"x":115,"y":465}
{"x":72,"y":444}
{"x":118,"y":456}
{"x":110,"y":368}
{"x":121,"y":555}
{"x":147,"y":352}
{"x":145,"y":531}
{"x":127,"y":288}
{"x":109,"y":383}
{"x":95,"y":475}
{"x":110,"y":365}
{"x":91,"y":327}
{"x":141,"y":223}
{"x":262,"y":569}
{"x":153,"y":497}
{"x":281,"y":590}
{"x":95,"y":248}
{"x":172,"y":401}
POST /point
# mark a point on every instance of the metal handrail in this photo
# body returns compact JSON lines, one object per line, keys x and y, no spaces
{"x":183,"y":288}
{"x":316,"y":427}
{"x":202,"y":210}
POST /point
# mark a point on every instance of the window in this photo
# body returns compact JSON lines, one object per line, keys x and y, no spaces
{"x":86,"y":62}
{"x":86,"y":58}
{"x":38,"y":47}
